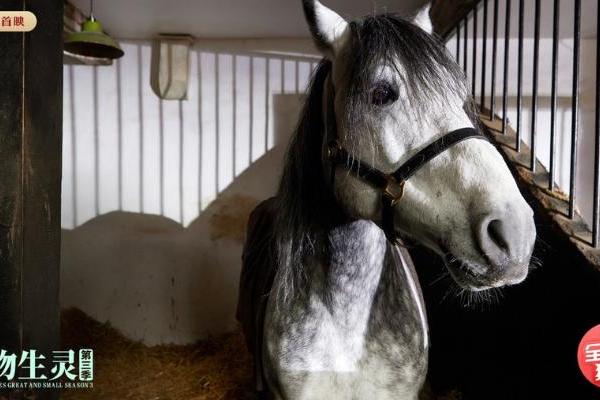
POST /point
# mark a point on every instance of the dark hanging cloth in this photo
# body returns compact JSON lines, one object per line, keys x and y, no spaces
{"x":258,"y":273}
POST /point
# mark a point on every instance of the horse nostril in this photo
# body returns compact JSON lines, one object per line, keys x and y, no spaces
{"x":506,"y":239}
{"x":495,"y":232}
{"x":496,"y":239}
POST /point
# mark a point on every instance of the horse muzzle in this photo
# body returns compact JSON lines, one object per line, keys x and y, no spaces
{"x":505,"y":241}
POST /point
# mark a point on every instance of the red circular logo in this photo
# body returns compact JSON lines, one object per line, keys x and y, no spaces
{"x":588,"y":355}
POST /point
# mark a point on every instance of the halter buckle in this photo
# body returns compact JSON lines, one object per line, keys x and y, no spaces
{"x":393,"y":190}
{"x":334,"y":149}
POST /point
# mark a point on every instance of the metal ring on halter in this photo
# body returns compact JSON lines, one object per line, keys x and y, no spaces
{"x":334,"y":149}
{"x":394,"y":190}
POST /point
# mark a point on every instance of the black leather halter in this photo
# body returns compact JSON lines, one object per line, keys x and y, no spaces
{"x":391,"y":185}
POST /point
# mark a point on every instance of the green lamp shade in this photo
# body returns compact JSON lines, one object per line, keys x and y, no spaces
{"x":92,"y":42}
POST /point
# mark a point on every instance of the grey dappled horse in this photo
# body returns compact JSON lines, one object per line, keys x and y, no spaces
{"x":386,"y":147}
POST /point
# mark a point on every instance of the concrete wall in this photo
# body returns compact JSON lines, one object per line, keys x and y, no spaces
{"x":156,"y":193}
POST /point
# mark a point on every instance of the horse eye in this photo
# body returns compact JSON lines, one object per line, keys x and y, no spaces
{"x":383,"y":94}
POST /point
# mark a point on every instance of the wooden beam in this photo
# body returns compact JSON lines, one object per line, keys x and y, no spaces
{"x":11,"y":180}
{"x":30,"y":183}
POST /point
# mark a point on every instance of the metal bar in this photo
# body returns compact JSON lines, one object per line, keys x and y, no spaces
{"x":555,"y":33}
{"x":267,"y":97}
{"x":474,"y":87}
{"x":217,"y":128}
{"x":465,"y":42}
{"x":595,"y":218}
{"x":534,"y":94}
{"x":458,"y":43}
{"x":251,"y":111}
{"x":234,"y":121}
{"x":494,"y":56}
{"x":199,"y":74}
{"x":96,"y":130}
{"x":575,"y":106}
{"x":520,"y":76}
{"x":506,"y":53}
{"x":484,"y":53}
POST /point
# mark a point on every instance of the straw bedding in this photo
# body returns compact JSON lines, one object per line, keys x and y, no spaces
{"x":216,"y":368}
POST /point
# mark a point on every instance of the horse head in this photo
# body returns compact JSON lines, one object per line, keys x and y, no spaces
{"x":392,"y":90}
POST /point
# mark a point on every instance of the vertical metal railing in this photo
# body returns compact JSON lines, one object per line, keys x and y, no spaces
{"x":520,"y":75}
{"x":494,"y":59}
{"x":553,"y":92}
{"x":477,"y":65}
{"x":575,"y":107}
{"x":484,"y":53}
{"x":534,"y":94}
{"x":596,"y":205}
{"x":474,"y":60}
{"x":465,"y":45}
{"x":458,"y":44}
{"x":506,"y":60}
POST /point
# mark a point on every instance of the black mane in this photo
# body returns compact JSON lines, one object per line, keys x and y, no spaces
{"x":304,"y":201}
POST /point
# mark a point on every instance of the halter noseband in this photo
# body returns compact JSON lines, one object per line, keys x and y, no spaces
{"x":391,"y":185}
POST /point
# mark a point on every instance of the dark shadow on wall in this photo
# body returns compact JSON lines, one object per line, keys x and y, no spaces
{"x":159,"y":282}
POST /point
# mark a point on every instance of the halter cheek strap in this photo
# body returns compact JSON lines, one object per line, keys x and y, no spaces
{"x":390,"y":185}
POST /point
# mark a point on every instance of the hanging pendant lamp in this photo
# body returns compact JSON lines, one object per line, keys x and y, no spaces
{"x":91,"y":41}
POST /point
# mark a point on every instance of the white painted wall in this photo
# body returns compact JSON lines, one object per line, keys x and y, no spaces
{"x":156,"y":193}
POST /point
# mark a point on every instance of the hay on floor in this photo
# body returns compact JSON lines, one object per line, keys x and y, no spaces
{"x":217,"y":368}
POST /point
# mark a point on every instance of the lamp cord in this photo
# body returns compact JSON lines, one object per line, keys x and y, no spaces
{"x":92,"y":10}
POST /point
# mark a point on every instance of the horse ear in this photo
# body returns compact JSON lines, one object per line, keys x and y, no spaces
{"x":423,"y":20}
{"x":329,"y":30}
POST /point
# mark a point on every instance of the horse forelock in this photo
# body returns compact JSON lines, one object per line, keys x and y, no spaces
{"x":427,"y":71}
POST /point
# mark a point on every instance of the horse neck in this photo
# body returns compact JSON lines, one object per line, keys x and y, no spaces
{"x":367,"y":278}
{"x":348,"y":281}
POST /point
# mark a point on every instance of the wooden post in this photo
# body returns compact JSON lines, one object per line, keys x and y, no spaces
{"x":30,"y":183}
